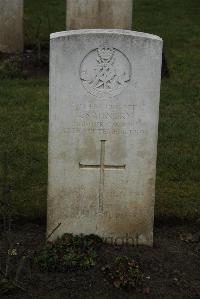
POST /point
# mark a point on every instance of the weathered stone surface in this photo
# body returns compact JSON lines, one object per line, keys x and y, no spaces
{"x":11,"y":26}
{"x":89,"y":14}
{"x":104,"y":110}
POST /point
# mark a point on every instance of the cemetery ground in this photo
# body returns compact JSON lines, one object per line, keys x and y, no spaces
{"x":171,"y":268}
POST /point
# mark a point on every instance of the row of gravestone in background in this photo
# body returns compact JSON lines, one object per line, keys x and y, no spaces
{"x":80,"y":14}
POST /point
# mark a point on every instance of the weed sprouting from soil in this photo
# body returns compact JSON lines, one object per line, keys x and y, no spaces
{"x":124,"y":273}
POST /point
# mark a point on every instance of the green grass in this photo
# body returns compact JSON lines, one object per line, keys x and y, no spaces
{"x":23,"y":132}
{"x":178,"y":171}
{"x":24,"y":109}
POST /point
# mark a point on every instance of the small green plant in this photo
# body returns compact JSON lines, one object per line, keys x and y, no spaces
{"x":68,"y":252}
{"x":124,"y":273}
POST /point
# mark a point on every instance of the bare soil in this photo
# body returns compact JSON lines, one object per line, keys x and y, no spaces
{"x":171,"y":268}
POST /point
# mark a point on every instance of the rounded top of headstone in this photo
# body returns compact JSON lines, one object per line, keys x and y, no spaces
{"x":104,"y":31}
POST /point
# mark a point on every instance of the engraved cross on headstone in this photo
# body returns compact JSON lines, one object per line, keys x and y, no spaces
{"x":102,"y":166}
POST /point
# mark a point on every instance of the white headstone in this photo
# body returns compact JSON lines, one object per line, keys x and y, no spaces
{"x":104,"y":110}
{"x":11,"y":26}
{"x":89,"y":14}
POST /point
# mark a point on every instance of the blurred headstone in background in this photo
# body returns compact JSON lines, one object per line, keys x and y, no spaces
{"x":11,"y":26}
{"x":89,"y":14}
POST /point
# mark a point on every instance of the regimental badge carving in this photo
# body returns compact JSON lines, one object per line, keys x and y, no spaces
{"x":105,"y":71}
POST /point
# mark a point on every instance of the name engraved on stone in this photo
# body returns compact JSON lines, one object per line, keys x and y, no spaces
{"x":115,"y":119}
{"x":105,"y":71}
{"x":102,"y":166}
